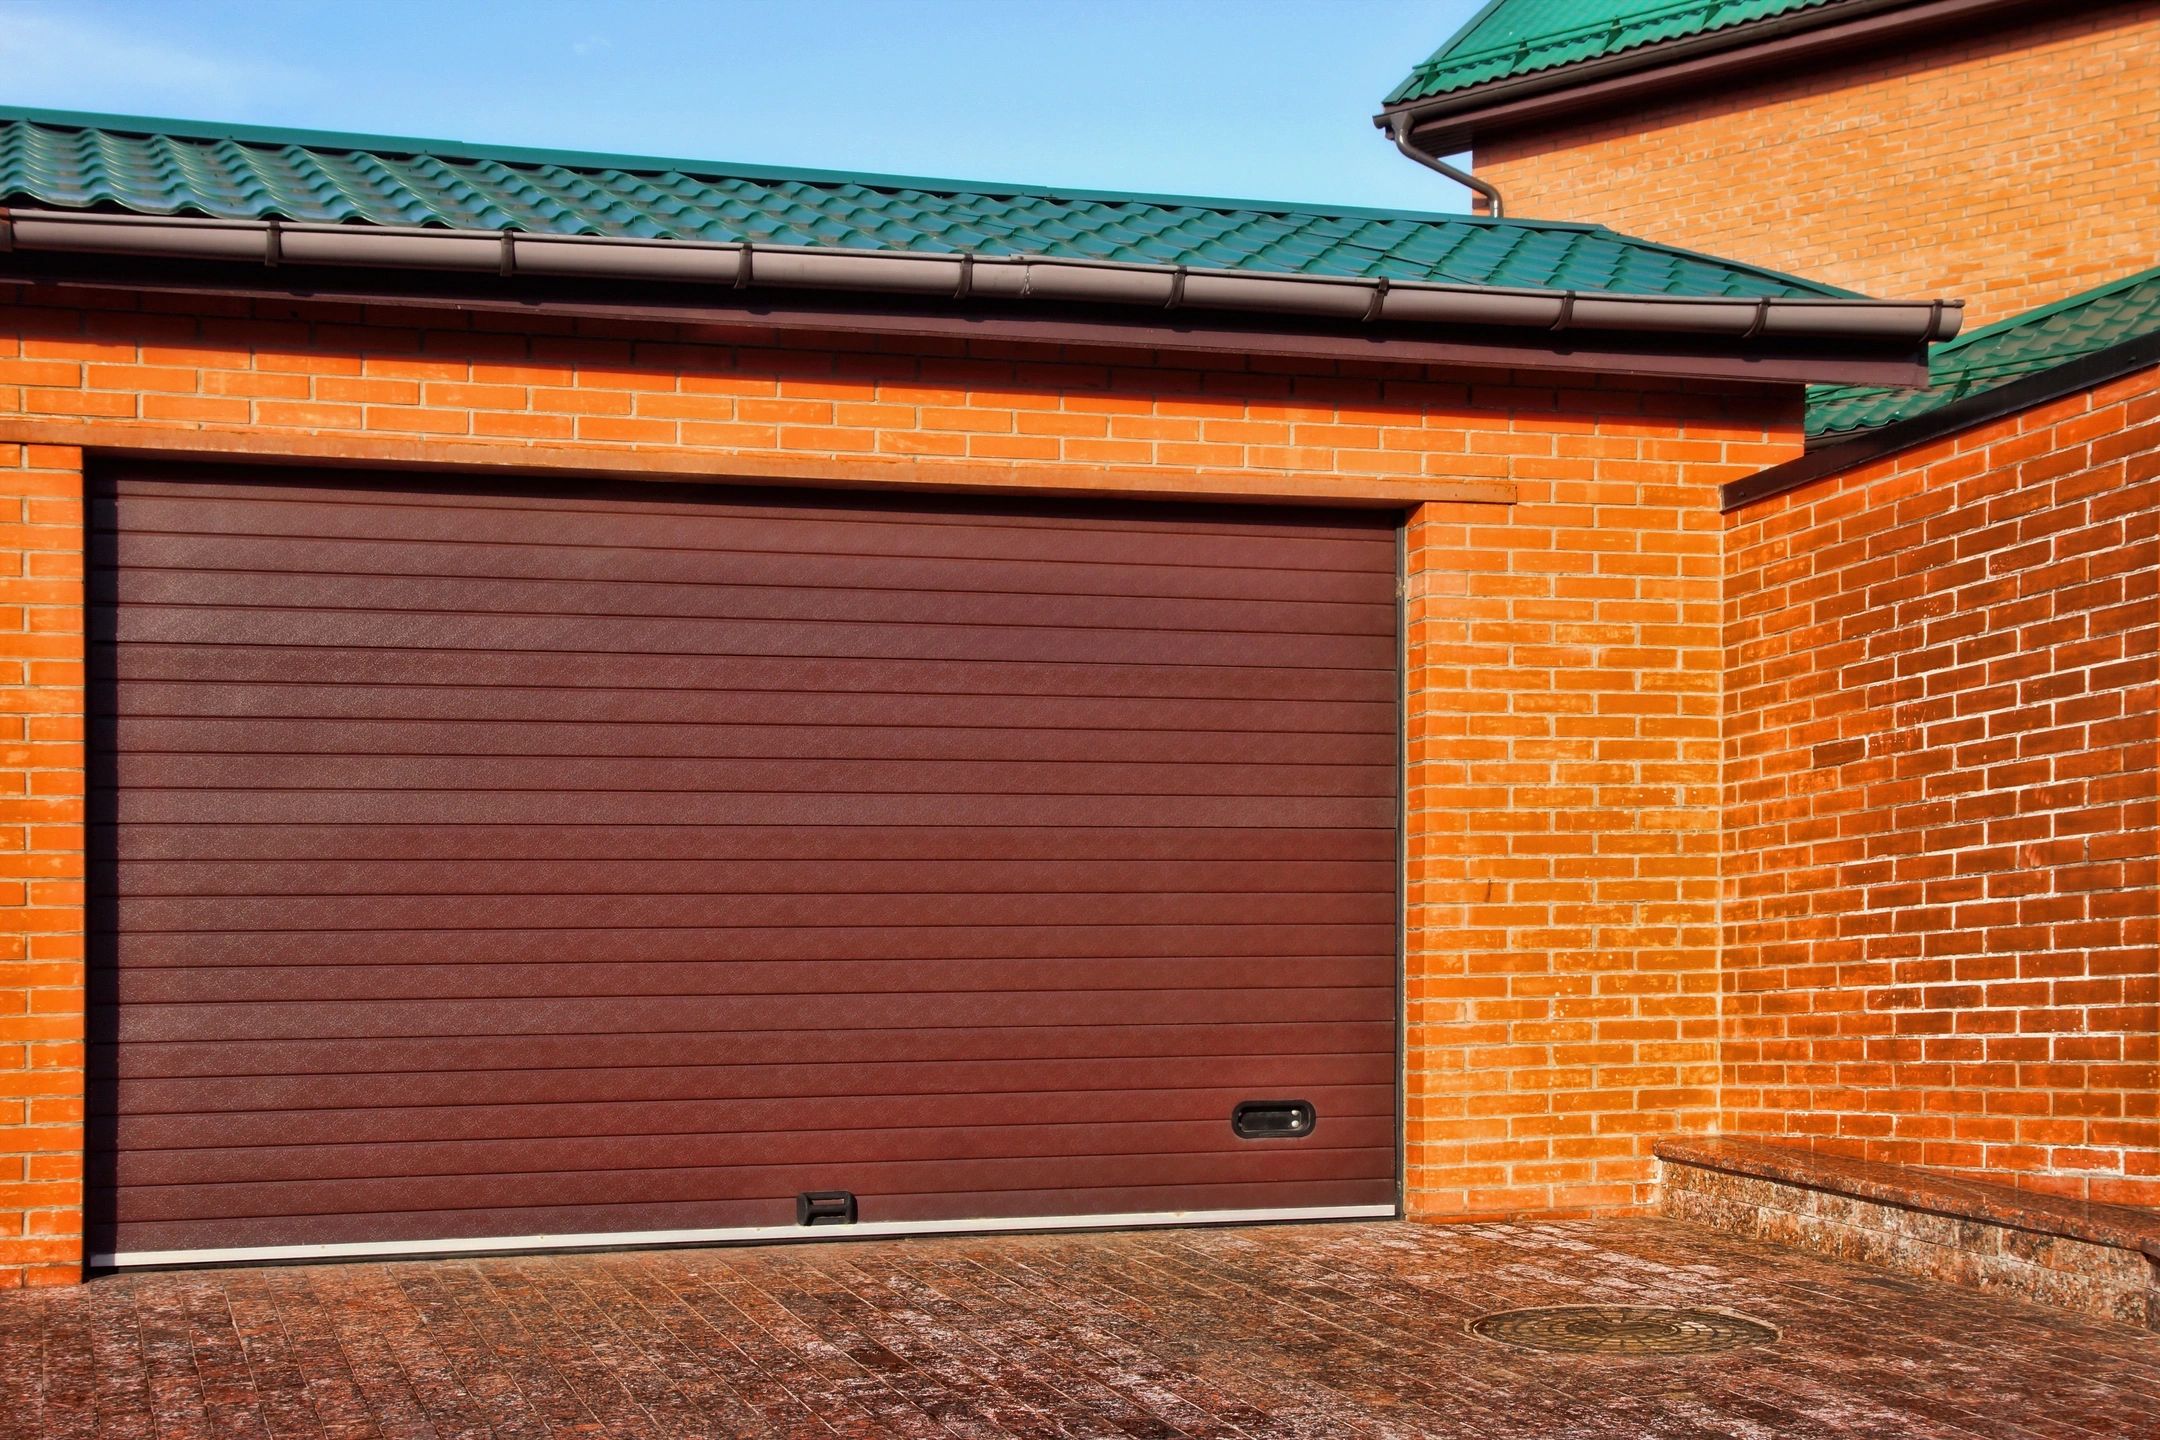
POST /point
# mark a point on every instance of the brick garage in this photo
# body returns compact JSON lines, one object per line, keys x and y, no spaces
{"x":1564,"y":633}
{"x":1587,"y":721}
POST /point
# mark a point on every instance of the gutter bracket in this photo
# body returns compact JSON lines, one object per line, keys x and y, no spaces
{"x":509,"y":254}
{"x":966,"y":287}
{"x":742,"y":267}
{"x":1177,"y":289}
{"x":273,"y":244}
{"x":1379,"y":299}
{"x":1567,"y":312}
{"x":1762,"y":318}
{"x":7,"y":231}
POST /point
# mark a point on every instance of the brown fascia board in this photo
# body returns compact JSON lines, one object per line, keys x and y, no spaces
{"x":1667,"y":354}
{"x":1637,"y":78}
{"x":1841,"y":453}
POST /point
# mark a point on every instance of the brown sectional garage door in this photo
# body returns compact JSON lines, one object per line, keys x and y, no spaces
{"x":481,"y":862}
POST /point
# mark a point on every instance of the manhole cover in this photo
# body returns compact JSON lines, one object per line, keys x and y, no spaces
{"x":1622,"y":1329}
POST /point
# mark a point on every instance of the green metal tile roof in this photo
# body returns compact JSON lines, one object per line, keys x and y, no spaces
{"x":1974,"y":363}
{"x":132,"y":164}
{"x":1518,"y":37}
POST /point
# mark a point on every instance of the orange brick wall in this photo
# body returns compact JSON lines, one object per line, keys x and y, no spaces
{"x":1942,"y":924}
{"x":41,"y":865}
{"x":2009,"y":169}
{"x":1564,"y":813}
{"x":1563,"y":707}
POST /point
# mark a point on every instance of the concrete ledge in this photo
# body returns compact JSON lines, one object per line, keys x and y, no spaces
{"x":2098,"y":1260}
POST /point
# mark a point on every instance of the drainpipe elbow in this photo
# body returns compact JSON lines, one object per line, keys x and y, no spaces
{"x":1398,"y":130}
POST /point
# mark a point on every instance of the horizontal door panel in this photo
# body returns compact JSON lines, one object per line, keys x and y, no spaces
{"x":830,"y":845}
{"x":372,"y":679}
{"x":741,"y":777}
{"x":861,"y":739}
{"x":720,"y":912}
{"x":692,"y":1079}
{"x":631,"y":529}
{"x":728,"y":502}
{"x":143,"y":805}
{"x":447,"y":1055}
{"x":890,"y":1140}
{"x":1258,"y":1162}
{"x":713,"y":564}
{"x":153,"y":708}
{"x":721,"y":1016}
{"x":708,"y":599}
{"x":985,"y":875}
{"x":1069,"y":1110}
{"x":127,"y":949}
{"x":838,"y":978}
{"x":133,"y":624}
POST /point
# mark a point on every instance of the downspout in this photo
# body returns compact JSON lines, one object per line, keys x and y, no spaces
{"x":1398,"y":130}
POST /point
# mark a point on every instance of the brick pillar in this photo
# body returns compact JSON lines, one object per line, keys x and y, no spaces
{"x":1564,"y":824}
{"x":41,"y":878}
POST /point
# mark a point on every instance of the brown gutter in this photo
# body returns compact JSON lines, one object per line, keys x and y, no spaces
{"x":1631,"y":79}
{"x":960,"y":280}
{"x":721,"y":317}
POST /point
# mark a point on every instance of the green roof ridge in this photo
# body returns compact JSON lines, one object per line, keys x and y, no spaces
{"x":1550,"y":38}
{"x":1574,"y":23}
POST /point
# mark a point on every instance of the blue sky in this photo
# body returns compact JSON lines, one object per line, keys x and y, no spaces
{"x":1265,"y":98}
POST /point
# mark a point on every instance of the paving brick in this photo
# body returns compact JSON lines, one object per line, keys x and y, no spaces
{"x":1290,"y":1333}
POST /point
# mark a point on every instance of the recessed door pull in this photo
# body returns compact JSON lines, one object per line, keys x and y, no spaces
{"x":1273,"y":1119}
{"x":825,"y":1207}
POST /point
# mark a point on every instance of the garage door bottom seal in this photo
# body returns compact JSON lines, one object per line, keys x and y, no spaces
{"x":738,"y":1235}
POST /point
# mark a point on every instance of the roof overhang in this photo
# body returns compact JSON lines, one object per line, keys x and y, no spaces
{"x":1836,"y":454}
{"x":1806,"y":338}
{"x":1632,"y":79}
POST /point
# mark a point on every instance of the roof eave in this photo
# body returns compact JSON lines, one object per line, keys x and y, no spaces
{"x":1803,"y":334}
{"x":1837,"y":453}
{"x":1455,"y":121}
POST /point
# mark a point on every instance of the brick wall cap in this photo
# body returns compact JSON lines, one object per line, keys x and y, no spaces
{"x":1958,"y":1196}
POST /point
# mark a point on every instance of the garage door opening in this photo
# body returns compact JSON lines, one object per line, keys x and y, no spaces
{"x":481,"y":867}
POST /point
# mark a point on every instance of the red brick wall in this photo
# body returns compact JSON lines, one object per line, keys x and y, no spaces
{"x":2009,"y":169}
{"x":1563,"y":678}
{"x":1941,"y":721}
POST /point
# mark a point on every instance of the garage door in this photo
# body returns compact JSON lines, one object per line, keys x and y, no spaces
{"x":494,"y":868}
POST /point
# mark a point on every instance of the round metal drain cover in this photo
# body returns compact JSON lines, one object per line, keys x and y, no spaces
{"x":1622,"y":1330}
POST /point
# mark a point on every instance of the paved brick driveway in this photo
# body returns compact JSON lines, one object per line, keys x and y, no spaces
{"x":1335,"y":1331}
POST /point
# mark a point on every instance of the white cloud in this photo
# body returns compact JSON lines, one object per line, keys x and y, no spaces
{"x":76,"y":62}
